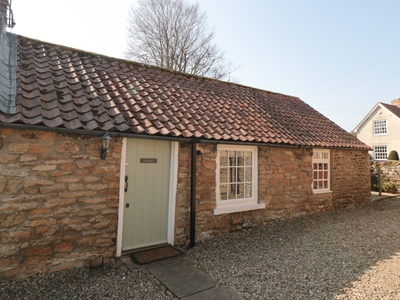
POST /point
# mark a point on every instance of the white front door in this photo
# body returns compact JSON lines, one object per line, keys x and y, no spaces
{"x":146,"y":198}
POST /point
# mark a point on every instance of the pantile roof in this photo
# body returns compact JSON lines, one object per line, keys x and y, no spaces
{"x":60,"y":87}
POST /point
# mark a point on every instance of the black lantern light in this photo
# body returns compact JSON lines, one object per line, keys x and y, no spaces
{"x":106,"y":140}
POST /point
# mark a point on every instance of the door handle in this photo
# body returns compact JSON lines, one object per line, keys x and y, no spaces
{"x":126,"y":183}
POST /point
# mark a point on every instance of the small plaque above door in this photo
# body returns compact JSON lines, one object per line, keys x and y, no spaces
{"x":148,"y":160}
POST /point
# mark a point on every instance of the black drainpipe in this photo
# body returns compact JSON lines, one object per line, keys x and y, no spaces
{"x":193,"y":196}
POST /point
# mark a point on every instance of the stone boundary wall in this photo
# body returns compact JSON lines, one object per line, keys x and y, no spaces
{"x":390,"y":171}
{"x":58,"y":201}
{"x":285,"y":177}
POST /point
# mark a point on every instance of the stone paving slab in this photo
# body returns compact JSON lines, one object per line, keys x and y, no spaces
{"x":216,"y":293}
{"x":183,"y":279}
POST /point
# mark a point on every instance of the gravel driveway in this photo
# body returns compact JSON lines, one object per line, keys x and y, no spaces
{"x":347,"y":254}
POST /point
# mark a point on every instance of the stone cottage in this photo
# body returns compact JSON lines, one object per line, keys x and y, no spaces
{"x":102,"y":156}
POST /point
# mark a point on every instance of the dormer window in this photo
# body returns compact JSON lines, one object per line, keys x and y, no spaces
{"x":380,"y":127}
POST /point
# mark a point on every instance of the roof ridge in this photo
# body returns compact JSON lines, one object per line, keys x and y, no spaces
{"x":124,"y":60}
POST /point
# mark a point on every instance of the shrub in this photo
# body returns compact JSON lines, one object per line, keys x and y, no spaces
{"x":389,"y":187}
{"x":393,"y":155}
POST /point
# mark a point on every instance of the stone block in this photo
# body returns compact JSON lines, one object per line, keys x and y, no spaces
{"x":37,"y":181}
{"x":40,"y":222}
{"x":64,"y":247}
{"x":44,"y":168}
{"x":38,"y":148}
{"x":67,"y":147}
{"x":40,"y":211}
{"x":8,"y":159}
{"x":40,"y":251}
{"x":12,"y":273}
{"x":45,"y":230}
{"x":89,"y":179}
{"x":9,"y":220}
{"x":9,"y":262}
{"x":18,"y":148}
{"x":67,"y":166}
{"x":14,"y":236}
{"x":10,"y":250}
{"x":60,"y":202}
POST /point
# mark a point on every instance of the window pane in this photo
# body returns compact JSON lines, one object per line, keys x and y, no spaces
{"x":240,"y":158}
{"x":232,"y":158}
{"x":247,"y":190}
{"x":223,"y":158}
{"x":240,"y":174}
{"x":248,"y":174}
{"x":223,"y":193}
{"x":232,"y":175}
{"x":248,"y":157}
{"x":223,"y":175}
{"x":231,"y":191}
{"x":240,"y":190}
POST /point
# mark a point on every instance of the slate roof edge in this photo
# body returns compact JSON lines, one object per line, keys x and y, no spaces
{"x":392,"y":108}
{"x":8,"y":66}
{"x":100,"y":133}
{"x":124,"y":60}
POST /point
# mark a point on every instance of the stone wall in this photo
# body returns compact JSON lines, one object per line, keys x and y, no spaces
{"x":390,"y":172}
{"x":285,"y":177}
{"x":58,"y":201}
{"x":351,"y":180}
{"x":391,"y":169}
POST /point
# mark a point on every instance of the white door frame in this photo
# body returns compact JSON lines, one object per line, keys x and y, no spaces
{"x":173,"y":182}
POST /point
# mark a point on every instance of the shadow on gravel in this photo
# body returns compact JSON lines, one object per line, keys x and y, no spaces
{"x":311,"y":257}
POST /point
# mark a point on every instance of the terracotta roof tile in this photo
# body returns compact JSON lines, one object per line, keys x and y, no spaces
{"x":63,"y":87}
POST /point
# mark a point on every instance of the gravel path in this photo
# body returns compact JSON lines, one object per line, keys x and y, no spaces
{"x":347,"y":254}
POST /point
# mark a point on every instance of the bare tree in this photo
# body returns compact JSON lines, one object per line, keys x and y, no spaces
{"x":172,"y":34}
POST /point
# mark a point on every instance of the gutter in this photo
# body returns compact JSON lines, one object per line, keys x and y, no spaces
{"x":163,"y":138}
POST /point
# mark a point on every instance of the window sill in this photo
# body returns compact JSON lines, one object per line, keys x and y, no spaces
{"x":322,"y":192}
{"x":238,"y":208}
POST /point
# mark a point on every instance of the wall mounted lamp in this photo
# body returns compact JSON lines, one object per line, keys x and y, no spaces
{"x":106,"y":141}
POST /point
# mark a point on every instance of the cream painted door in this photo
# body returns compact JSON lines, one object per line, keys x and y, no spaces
{"x":146,"y":193}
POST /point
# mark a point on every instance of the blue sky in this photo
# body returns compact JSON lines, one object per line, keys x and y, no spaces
{"x":339,"y":56}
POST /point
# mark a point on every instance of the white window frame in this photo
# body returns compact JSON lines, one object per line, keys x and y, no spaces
{"x":380,"y":127}
{"x":241,"y":204}
{"x":379,"y":148}
{"x":321,"y":156}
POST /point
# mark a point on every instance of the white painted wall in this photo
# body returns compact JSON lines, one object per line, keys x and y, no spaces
{"x":391,"y":139}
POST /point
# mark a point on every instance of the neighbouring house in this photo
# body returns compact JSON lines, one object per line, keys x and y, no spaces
{"x":380,"y":129}
{"x":101,"y":156}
